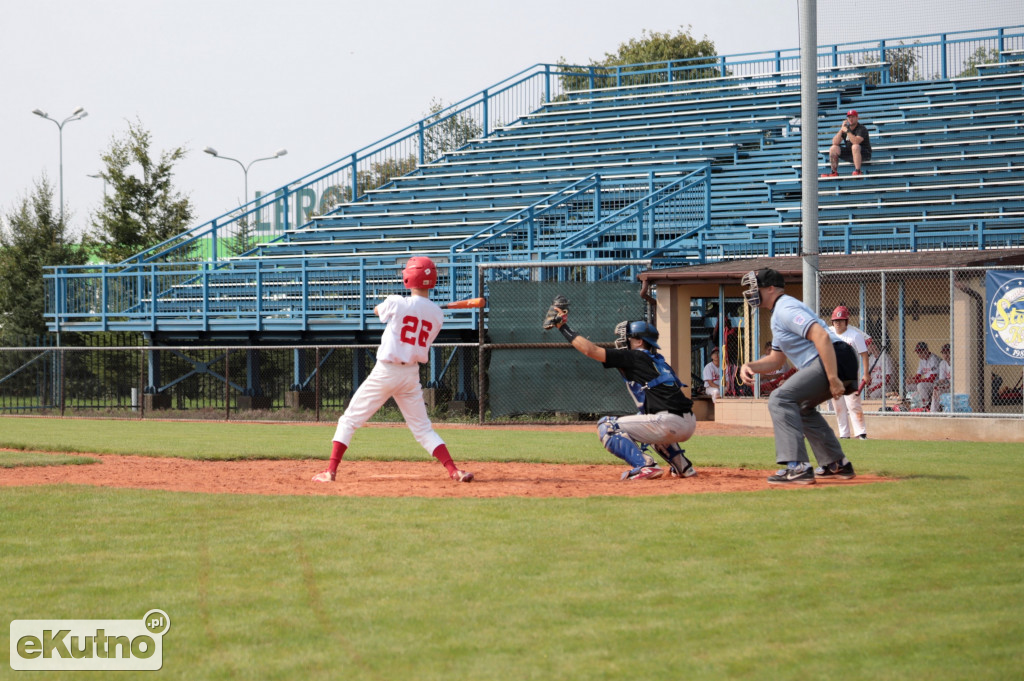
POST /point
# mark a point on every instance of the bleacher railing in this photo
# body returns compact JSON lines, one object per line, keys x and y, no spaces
{"x":337,"y":294}
{"x":663,"y":220}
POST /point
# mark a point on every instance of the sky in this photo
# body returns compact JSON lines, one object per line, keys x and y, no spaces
{"x":323,"y":78}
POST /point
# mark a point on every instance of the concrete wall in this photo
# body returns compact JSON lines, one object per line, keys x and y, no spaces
{"x":883,"y":426}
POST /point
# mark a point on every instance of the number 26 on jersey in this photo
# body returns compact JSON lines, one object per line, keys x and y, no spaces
{"x":415,"y":331}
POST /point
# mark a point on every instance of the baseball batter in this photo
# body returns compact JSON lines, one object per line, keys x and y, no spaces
{"x":412,"y":324}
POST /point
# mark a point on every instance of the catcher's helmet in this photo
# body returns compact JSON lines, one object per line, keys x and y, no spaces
{"x":645,"y":331}
{"x":419,"y":272}
{"x":841,"y":313}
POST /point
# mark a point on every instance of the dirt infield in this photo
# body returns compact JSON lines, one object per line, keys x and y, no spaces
{"x":398,"y":478}
{"x":382,"y":479}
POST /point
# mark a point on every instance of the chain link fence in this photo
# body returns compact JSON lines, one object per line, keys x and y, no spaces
{"x":294,"y":383}
{"x":929,"y":332}
{"x":928,"y":340}
{"x":534,"y":374}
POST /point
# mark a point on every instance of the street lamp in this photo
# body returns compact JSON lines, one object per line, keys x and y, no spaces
{"x":245,"y":168}
{"x":76,"y":115}
{"x":97,"y":176}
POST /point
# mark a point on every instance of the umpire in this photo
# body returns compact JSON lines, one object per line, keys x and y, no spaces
{"x":827,"y":367}
{"x":665,"y":415}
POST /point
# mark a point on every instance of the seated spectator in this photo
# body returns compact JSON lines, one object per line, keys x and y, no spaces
{"x":927,"y":371}
{"x":851,"y":144}
{"x":712,"y":376}
{"x":942,"y":377}
{"x":883,"y":379}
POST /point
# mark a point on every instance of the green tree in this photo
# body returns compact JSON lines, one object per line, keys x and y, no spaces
{"x":143,"y":209}
{"x":33,"y":238}
{"x":692,"y":59}
{"x":902,"y":64}
{"x":980,"y":56}
{"x":447,"y":134}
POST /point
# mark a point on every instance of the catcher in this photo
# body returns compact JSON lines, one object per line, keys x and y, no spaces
{"x":665,"y":415}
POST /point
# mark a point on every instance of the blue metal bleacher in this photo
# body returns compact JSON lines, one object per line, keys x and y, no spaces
{"x":654,"y":166}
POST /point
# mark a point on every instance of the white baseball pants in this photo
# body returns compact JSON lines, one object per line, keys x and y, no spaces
{"x":401,"y":381}
{"x":849,"y":408}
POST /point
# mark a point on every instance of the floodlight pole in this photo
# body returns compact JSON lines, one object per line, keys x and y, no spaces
{"x":809,"y":150}
{"x":245,"y":168}
{"x":77,"y":115}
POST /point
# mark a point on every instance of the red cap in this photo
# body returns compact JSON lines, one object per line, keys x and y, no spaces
{"x":840,"y":313}
{"x":852,"y":113}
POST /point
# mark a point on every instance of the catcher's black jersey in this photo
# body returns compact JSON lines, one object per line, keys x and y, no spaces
{"x":637,"y":366}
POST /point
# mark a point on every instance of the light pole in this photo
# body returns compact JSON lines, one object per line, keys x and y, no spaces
{"x":245,"y":168}
{"x":77,"y":115}
{"x":97,"y":176}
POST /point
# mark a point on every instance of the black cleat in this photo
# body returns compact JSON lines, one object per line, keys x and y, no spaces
{"x":792,"y":476}
{"x":836,"y":470}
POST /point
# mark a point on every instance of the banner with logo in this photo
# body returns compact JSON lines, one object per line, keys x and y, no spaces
{"x":1004,"y":317}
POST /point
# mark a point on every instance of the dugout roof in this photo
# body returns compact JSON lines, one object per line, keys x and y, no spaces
{"x":791,"y":267}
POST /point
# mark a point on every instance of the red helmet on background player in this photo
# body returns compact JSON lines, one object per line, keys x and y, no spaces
{"x":419,"y":272}
{"x":841,"y":313}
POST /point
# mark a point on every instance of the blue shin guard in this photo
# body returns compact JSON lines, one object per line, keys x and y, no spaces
{"x":620,"y":445}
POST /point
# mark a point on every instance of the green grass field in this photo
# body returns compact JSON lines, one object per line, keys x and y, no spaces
{"x":923,"y":579}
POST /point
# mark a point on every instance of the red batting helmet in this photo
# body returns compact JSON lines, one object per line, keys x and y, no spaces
{"x":419,"y":272}
{"x":840,"y":313}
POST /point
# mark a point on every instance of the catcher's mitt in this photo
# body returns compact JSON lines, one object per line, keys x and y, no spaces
{"x":557,"y":313}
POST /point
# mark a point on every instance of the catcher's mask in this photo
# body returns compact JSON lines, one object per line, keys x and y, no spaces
{"x":645,"y":331}
{"x":757,"y":280}
{"x":420,"y":272}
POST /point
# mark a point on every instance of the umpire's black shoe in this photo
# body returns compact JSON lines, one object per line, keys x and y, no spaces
{"x":792,"y":476}
{"x":842,"y":471}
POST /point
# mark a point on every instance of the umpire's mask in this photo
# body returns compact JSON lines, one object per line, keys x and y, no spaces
{"x":751,"y":295}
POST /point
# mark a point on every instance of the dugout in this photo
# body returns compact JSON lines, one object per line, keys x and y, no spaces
{"x":903,"y":298}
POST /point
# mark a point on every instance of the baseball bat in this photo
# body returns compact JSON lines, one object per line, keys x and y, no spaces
{"x":467,"y":304}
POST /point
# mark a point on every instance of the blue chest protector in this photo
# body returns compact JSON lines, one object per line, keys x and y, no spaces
{"x":665,"y":375}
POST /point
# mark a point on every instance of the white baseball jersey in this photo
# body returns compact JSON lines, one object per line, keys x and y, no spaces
{"x":854,"y":337}
{"x":882,"y":370}
{"x":413,"y":323}
{"x":712,"y":374}
{"x":928,"y":368}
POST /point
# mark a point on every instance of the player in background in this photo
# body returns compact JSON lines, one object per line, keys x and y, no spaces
{"x":412,"y":324}
{"x":665,"y":415}
{"x":849,"y":408}
{"x":883,"y":377}
{"x":712,"y":376}
{"x":942,"y":378}
{"x":927,"y":372}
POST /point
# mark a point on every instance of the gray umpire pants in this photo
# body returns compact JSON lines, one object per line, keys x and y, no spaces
{"x":793,"y":408}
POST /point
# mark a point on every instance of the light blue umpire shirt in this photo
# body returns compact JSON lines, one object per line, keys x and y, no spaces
{"x":791,"y":320}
